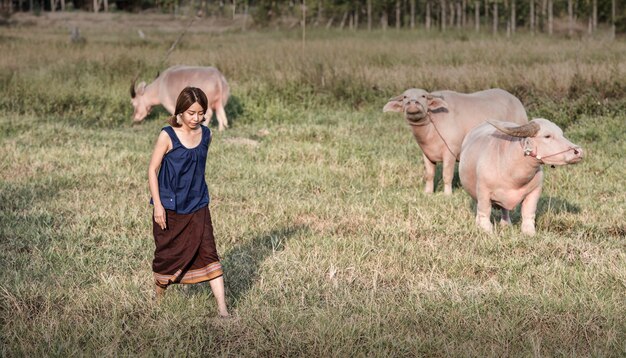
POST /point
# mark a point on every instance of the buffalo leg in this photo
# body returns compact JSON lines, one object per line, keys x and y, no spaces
{"x":529,"y":207}
{"x":505,"y":219}
{"x":429,"y":175}
{"x":448,"y":174}
{"x":221,"y":117}
{"x":483,"y":210}
{"x":208,"y":115}
{"x":169,"y":107}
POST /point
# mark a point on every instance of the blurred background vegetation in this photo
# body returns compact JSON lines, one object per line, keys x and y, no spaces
{"x":571,"y":17}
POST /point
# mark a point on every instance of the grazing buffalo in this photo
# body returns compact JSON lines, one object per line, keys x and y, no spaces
{"x":167,"y":86}
{"x":501,"y":164}
{"x":440,"y":120}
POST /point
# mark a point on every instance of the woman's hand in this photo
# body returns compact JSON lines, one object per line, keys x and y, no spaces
{"x":159,"y":216}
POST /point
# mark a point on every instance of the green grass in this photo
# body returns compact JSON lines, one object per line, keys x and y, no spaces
{"x":330,"y":248}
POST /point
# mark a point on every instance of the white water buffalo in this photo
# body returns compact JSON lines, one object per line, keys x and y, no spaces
{"x":440,"y":120}
{"x":501,"y":164}
{"x":167,"y":86}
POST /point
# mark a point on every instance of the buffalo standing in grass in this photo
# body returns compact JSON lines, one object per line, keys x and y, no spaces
{"x":440,"y":120}
{"x":501,"y":164}
{"x":167,"y":86}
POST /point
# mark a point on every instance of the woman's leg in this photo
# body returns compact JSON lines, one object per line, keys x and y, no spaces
{"x":217,"y":286}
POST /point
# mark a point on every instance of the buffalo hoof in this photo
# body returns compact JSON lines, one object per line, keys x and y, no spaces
{"x":485,"y":225}
{"x":528,"y":229}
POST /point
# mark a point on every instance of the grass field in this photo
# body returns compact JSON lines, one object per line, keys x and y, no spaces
{"x":330,"y":248}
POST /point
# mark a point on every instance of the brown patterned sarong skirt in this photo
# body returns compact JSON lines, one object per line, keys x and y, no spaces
{"x":185,"y":251}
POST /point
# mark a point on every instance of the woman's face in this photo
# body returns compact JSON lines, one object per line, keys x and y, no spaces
{"x":193,"y":116}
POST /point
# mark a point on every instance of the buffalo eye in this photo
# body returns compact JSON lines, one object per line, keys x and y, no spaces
{"x":548,"y":136}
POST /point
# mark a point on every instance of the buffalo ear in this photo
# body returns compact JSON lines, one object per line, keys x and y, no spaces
{"x":394,"y":105}
{"x":435,"y":103}
{"x":141,"y":88}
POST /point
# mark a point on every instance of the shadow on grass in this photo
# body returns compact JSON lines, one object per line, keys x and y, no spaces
{"x":242,"y":263}
{"x":21,"y":230}
{"x":545,"y":205}
{"x":555,"y":205}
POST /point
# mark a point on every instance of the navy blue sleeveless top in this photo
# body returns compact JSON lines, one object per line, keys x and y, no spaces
{"x":181,"y":177}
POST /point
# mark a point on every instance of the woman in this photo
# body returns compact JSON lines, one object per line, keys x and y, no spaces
{"x":183,"y":232}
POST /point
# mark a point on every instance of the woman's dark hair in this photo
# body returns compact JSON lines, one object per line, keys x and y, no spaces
{"x":186,"y":98}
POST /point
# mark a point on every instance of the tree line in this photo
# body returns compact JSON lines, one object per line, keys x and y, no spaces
{"x":481,"y":15}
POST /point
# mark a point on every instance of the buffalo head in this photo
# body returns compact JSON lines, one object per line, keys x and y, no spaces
{"x":544,"y":140}
{"x":141,"y":105}
{"x":415,"y":104}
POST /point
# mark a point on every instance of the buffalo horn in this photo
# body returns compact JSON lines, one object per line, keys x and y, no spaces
{"x":431,"y":96}
{"x":523,"y":131}
{"x":132,"y":88}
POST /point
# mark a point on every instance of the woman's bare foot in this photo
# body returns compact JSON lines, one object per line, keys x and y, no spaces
{"x":159,"y":292}
{"x":223,"y":313}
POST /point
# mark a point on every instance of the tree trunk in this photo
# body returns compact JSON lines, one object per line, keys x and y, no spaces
{"x":452,"y":7}
{"x":427,"y":19}
{"x":613,"y":12}
{"x":595,"y":15}
{"x":463,"y":13}
{"x":31,"y":5}
{"x":343,"y":20}
{"x":330,"y":23}
{"x":369,"y":15}
{"x":320,"y":12}
{"x":245,"y":16}
{"x":412,"y":14}
{"x":96,"y":5}
{"x":486,"y":13}
{"x":544,"y":11}
{"x":356,"y":16}
{"x":459,"y":15}
{"x":303,"y":23}
{"x":234,"y":8}
{"x":507,"y":17}
{"x":550,"y":19}
{"x":384,"y":20}
{"x":398,"y":15}
{"x":570,"y":18}
{"x":513,"y":17}
{"x":477,"y":15}
{"x":532,"y":16}
{"x":495,"y":18}
{"x":106,"y":5}
{"x":443,"y":15}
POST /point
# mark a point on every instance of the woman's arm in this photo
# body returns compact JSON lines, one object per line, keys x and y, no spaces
{"x":162,"y":145}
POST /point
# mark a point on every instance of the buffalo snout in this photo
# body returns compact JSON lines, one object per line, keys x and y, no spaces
{"x":577,"y":155}
{"x":414,"y":112}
